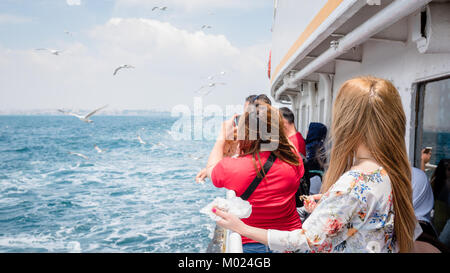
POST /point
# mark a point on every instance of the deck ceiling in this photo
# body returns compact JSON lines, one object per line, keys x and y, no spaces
{"x":398,"y":32}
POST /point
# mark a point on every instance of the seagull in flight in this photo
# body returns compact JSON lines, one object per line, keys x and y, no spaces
{"x":80,"y":155}
{"x":206,"y":27}
{"x":195,"y":157}
{"x":159,"y":144}
{"x":99,"y":150}
{"x":68,"y":32}
{"x":86,"y":117}
{"x":222,"y":73}
{"x":52,"y":51}
{"x":122,"y":67}
{"x":210,"y":86}
{"x":172,"y":134}
{"x":140,"y":140}
{"x":160,"y":8}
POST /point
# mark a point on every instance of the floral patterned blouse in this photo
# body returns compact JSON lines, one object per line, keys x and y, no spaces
{"x":355,"y":215}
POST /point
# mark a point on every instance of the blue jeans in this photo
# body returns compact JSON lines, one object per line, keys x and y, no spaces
{"x":255,"y":248}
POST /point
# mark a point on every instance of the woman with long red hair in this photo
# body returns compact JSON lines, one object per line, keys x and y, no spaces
{"x":261,"y":139}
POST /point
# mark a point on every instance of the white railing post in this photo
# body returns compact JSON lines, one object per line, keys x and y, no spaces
{"x":233,"y":242}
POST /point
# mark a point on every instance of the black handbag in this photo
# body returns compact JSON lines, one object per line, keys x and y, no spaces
{"x":304,"y":186}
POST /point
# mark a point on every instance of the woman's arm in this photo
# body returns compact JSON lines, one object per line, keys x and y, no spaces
{"x":230,"y":221}
{"x":200,"y":177}
{"x":227,"y":132}
{"x":275,"y":239}
{"x":325,"y":228}
{"x":425,"y":158}
{"x":215,"y":156}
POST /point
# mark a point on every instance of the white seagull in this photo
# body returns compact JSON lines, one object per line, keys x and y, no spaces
{"x":195,"y":157}
{"x":211,"y":86}
{"x":160,"y":8}
{"x":121,"y":67}
{"x":83,"y":118}
{"x":99,"y":150}
{"x":172,"y":134}
{"x":140,"y":140}
{"x":222,"y":73}
{"x":80,"y":155}
{"x":159,"y":144}
{"x":52,"y":51}
{"x":206,"y":27}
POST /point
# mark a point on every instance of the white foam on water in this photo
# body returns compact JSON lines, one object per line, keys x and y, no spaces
{"x":25,"y":241}
{"x":74,"y":247}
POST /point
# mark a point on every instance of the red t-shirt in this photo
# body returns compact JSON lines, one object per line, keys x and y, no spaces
{"x":299,"y":142}
{"x":273,"y":201}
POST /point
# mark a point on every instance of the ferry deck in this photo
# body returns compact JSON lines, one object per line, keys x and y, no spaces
{"x":317,"y":45}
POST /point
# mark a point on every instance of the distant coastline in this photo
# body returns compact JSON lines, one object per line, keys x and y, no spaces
{"x":106,"y":112}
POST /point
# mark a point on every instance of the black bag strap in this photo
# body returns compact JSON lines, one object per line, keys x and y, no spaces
{"x":305,"y":184}
{"x":252,"y":187}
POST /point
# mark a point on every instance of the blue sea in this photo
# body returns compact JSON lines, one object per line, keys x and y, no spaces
{"x":131,"y":198}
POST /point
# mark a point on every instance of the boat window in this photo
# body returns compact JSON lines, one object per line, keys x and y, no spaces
{"x":433,"y":126}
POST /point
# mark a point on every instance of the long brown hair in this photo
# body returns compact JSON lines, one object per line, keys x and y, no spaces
{"x":369,"y":111}
{"x":252,"y":140}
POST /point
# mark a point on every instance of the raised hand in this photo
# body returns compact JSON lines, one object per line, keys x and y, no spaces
{"x":229,"y":221}
{"x":310,"y":202}
{"x":201,"y":176}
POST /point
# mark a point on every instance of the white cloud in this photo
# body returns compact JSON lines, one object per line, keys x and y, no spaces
{"x":171,"y":64}
{"x":150,"y":38}
{"x":13,"y":19}
{"x":73,"y":2}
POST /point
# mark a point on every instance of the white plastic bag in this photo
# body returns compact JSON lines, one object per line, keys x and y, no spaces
{"x":234,"y":205}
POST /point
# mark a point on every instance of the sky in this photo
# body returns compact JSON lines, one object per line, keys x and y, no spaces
{"x":172,"y":55}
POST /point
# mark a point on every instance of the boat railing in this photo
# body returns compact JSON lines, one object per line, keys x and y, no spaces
{"x":233,"y":240}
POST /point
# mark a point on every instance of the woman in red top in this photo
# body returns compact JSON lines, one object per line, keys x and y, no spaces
{"x":273,"y":201}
